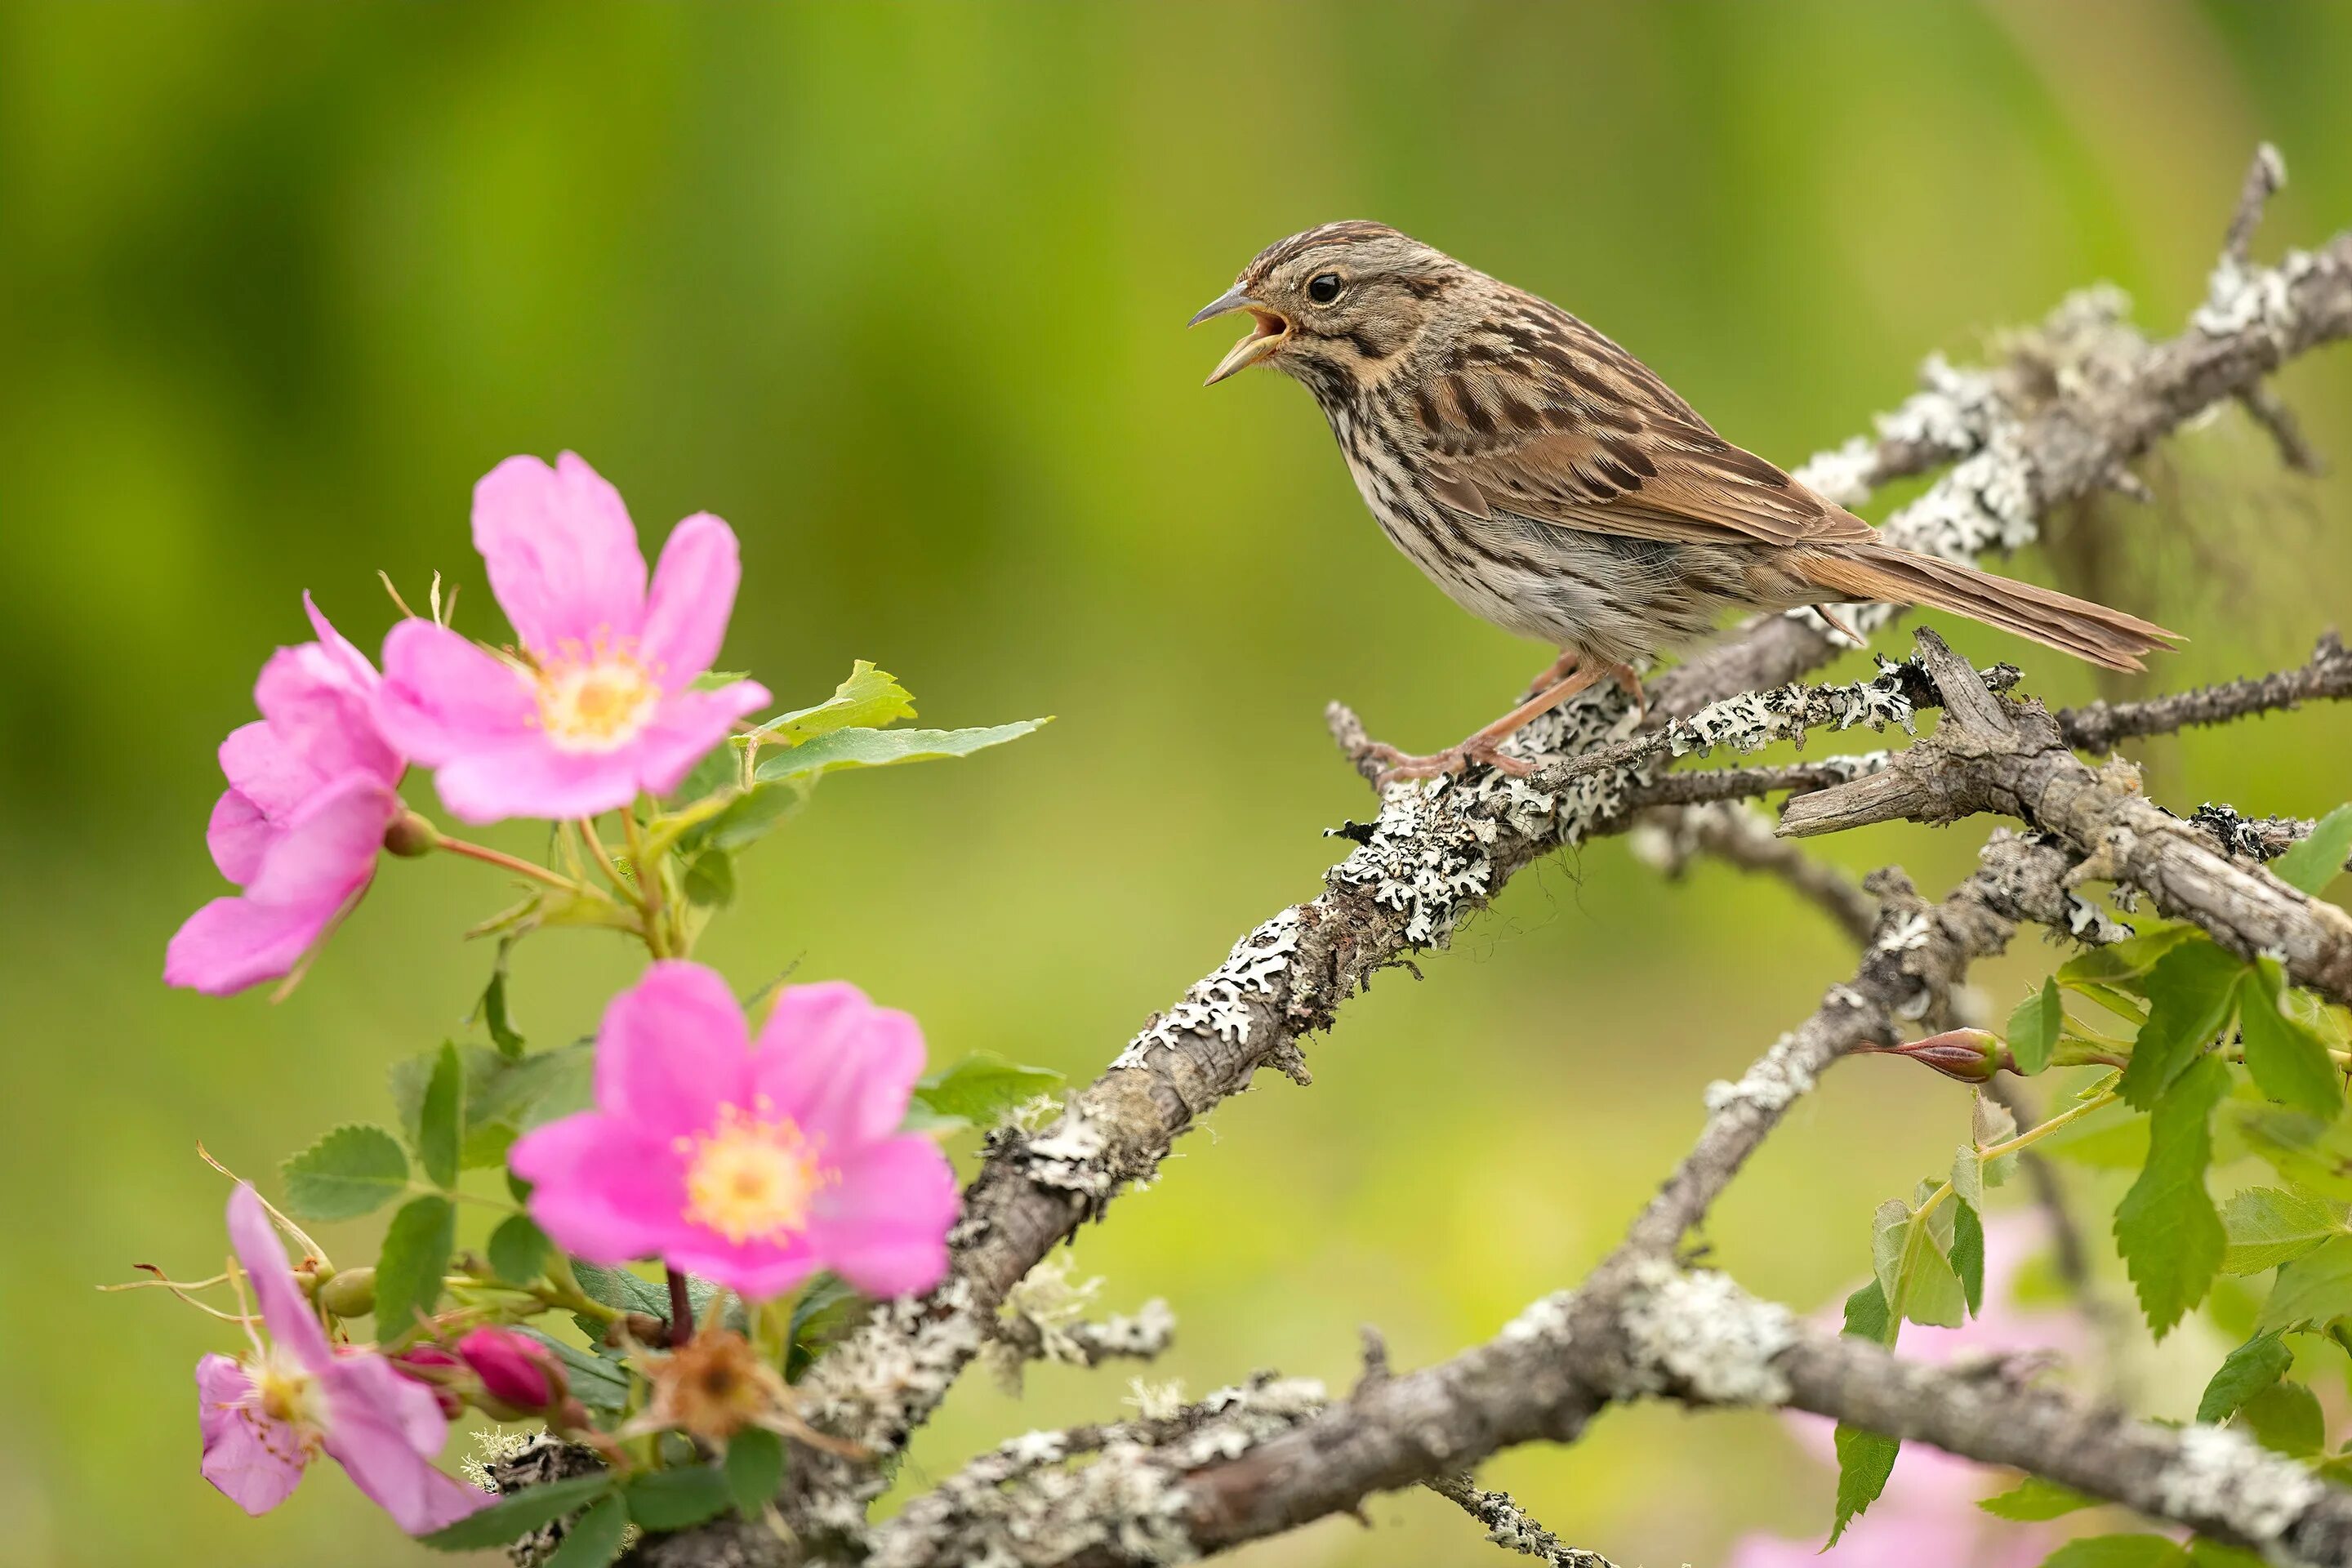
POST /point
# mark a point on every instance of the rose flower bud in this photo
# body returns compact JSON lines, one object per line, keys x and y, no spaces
{"x":1971,"y":1055}
{"x":517,"y":1372}
{"x":431,"y":1365}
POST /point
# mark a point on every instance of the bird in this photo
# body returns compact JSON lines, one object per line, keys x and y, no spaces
{"x":1552,"y":484}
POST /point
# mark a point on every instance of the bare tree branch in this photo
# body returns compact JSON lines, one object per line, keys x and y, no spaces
{"x":1740,"y":836}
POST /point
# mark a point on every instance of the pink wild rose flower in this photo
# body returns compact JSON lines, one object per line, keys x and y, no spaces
{"x":753,"y":1163}
{"x":263,"y":1416}
{"x":601,"y":704}
{"x":310,"y":792}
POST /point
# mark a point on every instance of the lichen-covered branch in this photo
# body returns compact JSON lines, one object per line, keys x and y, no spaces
{"x":2098,"y":726}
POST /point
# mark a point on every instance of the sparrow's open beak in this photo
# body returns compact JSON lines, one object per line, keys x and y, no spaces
{"x":1269,"y":333}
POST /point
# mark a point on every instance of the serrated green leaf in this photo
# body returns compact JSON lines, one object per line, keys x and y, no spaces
{"x":2269,"y":1226}
{"x":441,"y":1119}
{"x":492,"y":1008}
{"x":634,"y":1293}
{"x":598,"y":1382}
{"x":2123,"y":964}
{"x":2166,"y":1227}
{"x":351,"y":1171}
{"x":2034,"y":1500}
{"x":2285,"y":1418}
{"x":2312,"y":1291}
{"x":755,"y":1469}
{"x":678,"y":1498}
{"x":595,"y":1538}
{"x":1968,"y":1176}
{"x":2243,"y":1373}
{"x":511,"y":1518}
{"x":870,"y":698}
{"x":1864,"y":1461}
{"x":1969,"y":1255}
{"x":504,"y":1096}
{"x":2207,"y":1552}
{"x":886,"y":748}
{"x":1913,"y":1272}
{"x":2313,"y":863}
{"x":982,"y":1086}
{"x":2286,"y":1061}
{"x":826,"y":1308}
{"x":2033,"y":1028}
{"x":2191,"y":991}
{"x":519,"y":1250}
{"x":1866,"y":1316}
{"x":2138,"y":1551}
{"x":717,"y":679}
{"x":415,"y":1255}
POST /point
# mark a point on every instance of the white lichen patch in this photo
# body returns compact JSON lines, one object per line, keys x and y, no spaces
{"x":1699,"y":1334}
{"x":886,"y":1378}
{"x":1544,"y":1321}
{"x":1069,"y":1155}
{"x":1780,"y":1076}
{"x":2242,"y":299}
{"x":2219,"y":1474}
{"x":1219,"y":1004}
{"x":1045,"y":1315}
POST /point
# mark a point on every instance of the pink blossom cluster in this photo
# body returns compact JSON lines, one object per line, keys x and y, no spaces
{"x":600,"y":699}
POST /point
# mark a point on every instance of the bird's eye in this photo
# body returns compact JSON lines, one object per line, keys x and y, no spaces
{"x":1323,"y":288}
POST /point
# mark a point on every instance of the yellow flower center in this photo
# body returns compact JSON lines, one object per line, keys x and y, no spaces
{"x":285,"y":1392}
{"x":596,"y":698}
{"x":752,"y":1176}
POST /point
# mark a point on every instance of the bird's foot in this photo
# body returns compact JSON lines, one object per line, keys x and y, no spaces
{"x":1404,"y":766}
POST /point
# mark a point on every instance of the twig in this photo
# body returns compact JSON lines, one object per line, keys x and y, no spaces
{"x":1510,"y":1525}
{"x":1738,"y":834}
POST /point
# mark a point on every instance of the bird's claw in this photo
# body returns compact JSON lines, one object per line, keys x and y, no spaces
{"x":1404,"y":767}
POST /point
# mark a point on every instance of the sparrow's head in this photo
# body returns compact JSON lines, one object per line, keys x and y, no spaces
{"x":1339,"y":303}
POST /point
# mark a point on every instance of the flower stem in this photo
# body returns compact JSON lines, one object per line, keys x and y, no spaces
{"x":649,"y":885}
{"x":515,"y":863}
{"x":682,"y":1310}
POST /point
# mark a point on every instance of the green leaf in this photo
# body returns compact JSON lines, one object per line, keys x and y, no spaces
{"x":2268,"y":1226}
{"x":886,"y":748}
{"x":2123,"y":964}
{"x":982,"y":1086}
{"x":717,"y":679}
{"x":870,"y":698}
{"x":2285,"y":1419}
{"x":2118,"y":1552}
{"x":492,"y":1008}
{"x":2191,"y":992}
{"x":2313,"y":862}
{"x":2033,"y":1028}
{"x":519,"y":1250}
{"x":634,"y":1293}
{"x":504,"y":1096}
{"x":2034,"y":1500}
{"x":678,"y":1498}
{"x":598,"y":1382}
{"x":1866,"y":1316}
{"x":2243,"y":1373}
{"x":2286,"y":1061}
{"x":1864,"y":1461}
{"x":2166,"y":1227}
{"x":825,"y":1309}
{"x":441,"y":1119}
{"x":2206,"y":1553}
{"x":1969,"y":1255}
{"x":1913,"y":1272}
{"x":755,"y":1469}
{"x":709,"y":881}
{"x":513,"y":1517}
{"x":350,"y":1172}
{"x":417,"y":1247}
{"x":2312,"y":1291}
{"x":595,"y":1538}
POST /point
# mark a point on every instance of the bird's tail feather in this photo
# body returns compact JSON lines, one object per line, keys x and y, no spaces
{"x":2088,"y":631}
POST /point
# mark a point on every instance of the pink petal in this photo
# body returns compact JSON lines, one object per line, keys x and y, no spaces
{"x":284,"y":1312}
{"x":672,"y":1050}
{"x":693,"y":594}
{"x":255,"y":1461}
{"x":260,"y":766}
{"x":561,"y":552}
{"x":838,"y":1065}
{"x":601,"y":1188}
{"x":318,"y":712}
{"x":686,"y":727}
{"x":327,"y":851}
{"x":385,"y":1430}
{"x":443,"y":697}
{"x":757,"y":1270}
{"x":234,"y":943}
{"x":884,"y":1226}
{"x":236,"y":835}
{"x":529,"y":776}
{"x":354,"y":663}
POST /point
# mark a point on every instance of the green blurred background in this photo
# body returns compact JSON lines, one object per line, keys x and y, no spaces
{"x":899,"y":291}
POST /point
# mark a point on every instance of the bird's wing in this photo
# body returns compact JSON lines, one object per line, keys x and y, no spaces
{"x":1566,"y":427}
